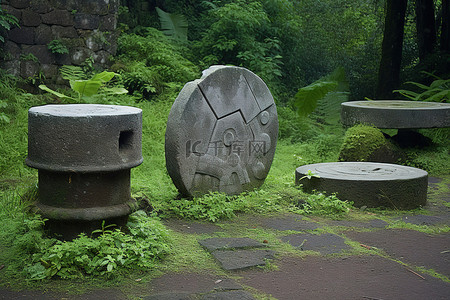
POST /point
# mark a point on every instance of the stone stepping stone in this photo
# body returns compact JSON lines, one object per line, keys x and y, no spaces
{"x":375,"y":223}
{"x":325,"y":243}
{"x":170,"y":296}
{"x":294,"y":223}
{"x":192,"y":227}
{"x":221,"y":133}
{"x":409,"y":246}
{"x":230,"y":295}
{"x":213,"y":244}
{"x":242,"y":259}
{"x":396,"y":114}
{"x":367,"y":183}
{"x":237,"y":253}
{"x":425,"y":220}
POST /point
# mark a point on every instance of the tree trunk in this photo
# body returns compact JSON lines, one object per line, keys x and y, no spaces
{"x":445,"y":29}
{"x":391,"y":51}
{"x":426,"y":27}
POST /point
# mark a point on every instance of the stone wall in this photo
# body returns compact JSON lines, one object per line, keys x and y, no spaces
{"x":86,"y":28}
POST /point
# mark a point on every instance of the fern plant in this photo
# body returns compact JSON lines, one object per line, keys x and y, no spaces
{"x":7,"y":21}
{"x":437,"y":91}
{"x":173,"y":25}
{"x":58,"y":47}
{"x":307,"y":97}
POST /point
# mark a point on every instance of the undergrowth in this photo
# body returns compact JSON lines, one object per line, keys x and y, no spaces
{"x":36,"y":257}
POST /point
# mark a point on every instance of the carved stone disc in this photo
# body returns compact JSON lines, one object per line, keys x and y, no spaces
{"x":221,"y":133}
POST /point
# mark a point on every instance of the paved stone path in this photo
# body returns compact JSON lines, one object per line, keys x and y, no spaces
{"x":373,"y":258}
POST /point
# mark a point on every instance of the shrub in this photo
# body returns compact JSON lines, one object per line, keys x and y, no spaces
{"x":111,"y":252}
{"x":152,"y":62}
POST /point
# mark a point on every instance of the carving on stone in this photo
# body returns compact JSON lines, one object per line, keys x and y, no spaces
{"x":221,"y":133}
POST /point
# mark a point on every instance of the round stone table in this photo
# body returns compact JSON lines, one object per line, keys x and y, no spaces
{"x":221,"y":133}
{"x":396,"y":114}
{"x":367,"y":184}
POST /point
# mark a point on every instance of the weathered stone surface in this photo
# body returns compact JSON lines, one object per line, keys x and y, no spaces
{"x":375,"y":223}
{"x":410,"y":246}
{"x":22,"y":35}
{"x":368,"y":184}
{"x":101,"y":57}
{"x":213,"y":244}
{"x":229,"y":295}
{"x":79,"y":55}
{"x":289,"y":223}
{"x":325,"y":243}
{"x":13,"y":11}
{"x":63,"y":32}
{"x":242,"y":259}
{"x":50,"y":71}
{"x":43,"y":34}
{"x":12,"y":66}
{"x":108,"y":23}
{"x":42,"y":53}
{"x":11,"y":49}
{"x":29,"y":68}
{"x":170,"y":296}
{"x":58,"y":17}
{"x":192,"y":227}
{"x":86,"y":21}
{"x":40,"y":6}
{"x":221,"y":133}
{"x":396,"y":114}
{"x":84,"y":137}
{"x":424,"y":220}
{"x":30,"y":18}
{"x":84,"y":154}
{"x":19,"y":3}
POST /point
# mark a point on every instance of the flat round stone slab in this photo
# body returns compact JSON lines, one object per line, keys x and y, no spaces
{"x":84,"y":137}
{"x":396,"y":114}
{"x":368,"y":184}
{"x":221,"y":133}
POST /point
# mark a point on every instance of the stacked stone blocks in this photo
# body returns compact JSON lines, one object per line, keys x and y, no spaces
{"x":86,"y":28}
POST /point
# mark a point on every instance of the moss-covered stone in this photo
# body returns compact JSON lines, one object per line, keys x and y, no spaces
{"x":366,"y":143}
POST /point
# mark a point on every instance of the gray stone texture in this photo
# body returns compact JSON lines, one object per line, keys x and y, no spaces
{"x":84,"y":137}
{"x":325,"y":243}
{"x":221,"y":133}
{"x":30,"y":18}
{"x":84,"y":153}
{"x":396,"y":114}
{"x":74,"y":22}
{"x":293,"y":222}
{"x":59,"y":32}
{"x":86,"y":21}
{"x":229,"y":295}
{"x":22,"y":35}
{"x":41,"y":52}
{"x":213,"y":244}
{"x":242,"y":259}
{"x":19,"y":3}
{"x":368,"y":184}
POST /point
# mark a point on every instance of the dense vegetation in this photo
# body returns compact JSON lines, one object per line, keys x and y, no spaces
{"x":289,"y":44}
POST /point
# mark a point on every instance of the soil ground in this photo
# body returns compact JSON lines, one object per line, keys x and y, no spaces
{"x":380,"y":257}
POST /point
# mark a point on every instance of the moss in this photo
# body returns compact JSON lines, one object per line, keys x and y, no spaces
{"x":366,"y":143}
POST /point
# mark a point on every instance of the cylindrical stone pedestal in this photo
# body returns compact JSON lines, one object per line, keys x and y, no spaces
{"x":84,"y":153}
{"x":367,"y":184}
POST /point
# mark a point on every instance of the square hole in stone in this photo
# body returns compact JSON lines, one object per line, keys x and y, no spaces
{"x":125,"y":140}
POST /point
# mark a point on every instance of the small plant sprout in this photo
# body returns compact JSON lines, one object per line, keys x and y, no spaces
{"x":309,"y":174}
